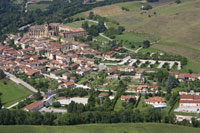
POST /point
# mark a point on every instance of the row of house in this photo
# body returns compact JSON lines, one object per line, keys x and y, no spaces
{"x":185,"y":76}
{"x":189,"y":102}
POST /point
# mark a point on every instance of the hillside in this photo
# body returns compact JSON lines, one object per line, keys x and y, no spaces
{"x":176,"y":26}
{"x":102,"y":128}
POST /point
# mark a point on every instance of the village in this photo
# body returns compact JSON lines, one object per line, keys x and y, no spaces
{"x":50,"y":52}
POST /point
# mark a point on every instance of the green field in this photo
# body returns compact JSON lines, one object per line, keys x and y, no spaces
{"x":12,"y":93}
{"x":32,"y":7}
{"x":136,"y":39}
{"x":102,"y":128}
{"x":118,"y":105}
{"x":177,"y":26}
{"x":78,"y":24}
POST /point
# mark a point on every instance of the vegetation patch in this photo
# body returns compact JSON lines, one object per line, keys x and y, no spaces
{"x":11,"y":92}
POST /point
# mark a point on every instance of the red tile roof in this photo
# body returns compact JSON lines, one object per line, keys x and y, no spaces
{"x":31,"y":72}
{"x":155,"y":99}
{"x":33,"y":105}
{"x":189,"y":96}
{"x":127,"y":97}
{"x":103,"y":94}
{"x":189,"y":101}
{"x":112,"y":70}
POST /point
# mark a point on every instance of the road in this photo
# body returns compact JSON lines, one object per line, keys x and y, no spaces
{"x":19,"y":81}
{"x":134,"y":51}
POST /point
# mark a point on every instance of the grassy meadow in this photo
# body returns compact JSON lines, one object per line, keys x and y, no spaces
{"x":102,"y":128}
{"x":11,"y":92}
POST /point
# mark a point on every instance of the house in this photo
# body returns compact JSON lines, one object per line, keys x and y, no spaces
{"x":102,"y":95}
{"x":66,"y":75}
{"x":69,"y":84}
{"x":112,"y":71}
{"x":157,"y":102}
{"x":189,"y":102}
{"x":174,"y":74}
{"x":127,"y":69}
{"x":74,"y":79}
{"x":37,"y":105}
{"x":84,"y":46}
{"x":147,"y":89}
{"x":140,"y":73}
{"x":118,"y":48}
{"x":110,"y":54}
{"x":56,"y":74}
{"x":127,"y":97}
{"x":188,"y":76}
{"x":32,"y":72}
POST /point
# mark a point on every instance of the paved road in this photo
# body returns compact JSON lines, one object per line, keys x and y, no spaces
{"x":19,"y":81}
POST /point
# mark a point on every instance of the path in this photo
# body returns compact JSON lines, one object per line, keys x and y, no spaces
{"x":135,"y":51}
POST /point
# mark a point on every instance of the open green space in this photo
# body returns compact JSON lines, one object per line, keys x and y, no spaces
{"x":168,"y":22}
{"x":78,"y":24}
{"x":118,"y":105}
{"x":102,"y":128}
{"x":11,"y":92}
{"x":40,"y":6}
{"x":131,"y":38}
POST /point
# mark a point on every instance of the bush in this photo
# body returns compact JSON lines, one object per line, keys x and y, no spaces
{"x":146,"y":7}
{"x":178,"y":1}
{"x":56,"y":104}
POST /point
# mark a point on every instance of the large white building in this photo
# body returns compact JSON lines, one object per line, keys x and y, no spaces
{"x":189,"y":102}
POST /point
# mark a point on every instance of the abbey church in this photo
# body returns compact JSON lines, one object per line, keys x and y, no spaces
{"x":54,"y":30}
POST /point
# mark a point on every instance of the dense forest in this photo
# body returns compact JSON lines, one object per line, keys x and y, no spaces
{"x":13,"y":16}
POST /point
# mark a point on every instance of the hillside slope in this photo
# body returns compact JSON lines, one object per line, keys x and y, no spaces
{"x":177,"y":26}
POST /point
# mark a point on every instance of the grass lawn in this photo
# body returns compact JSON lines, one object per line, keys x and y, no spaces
{"x":32,"y":7}
{"x":101,"y":39}
{"x":12,"y":93}
{"x":142,"y":105}
{"x":78,"y":24}
{"x":118,"y":105}
{"x":102,"y":128}
{"x":86,"y":78}
{"x":131,"y":37}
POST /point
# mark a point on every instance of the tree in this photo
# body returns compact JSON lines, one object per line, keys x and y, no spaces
{"x":146,"y":44}
{"x":178,"y":1}
{"x":56,"y":104}
{"x":2,"y":75}
{"x":146,"y":7}
{"x":195,"y":123}
{"x":172,"y":82}
{"x":0,"y":103}
{"x":85,"y":25}
{"x":91,"y":15}
{"x":190,"y":71}
{"x":38,"y":96}
{"x":121,"y":29}
{"x":101,"y":26}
